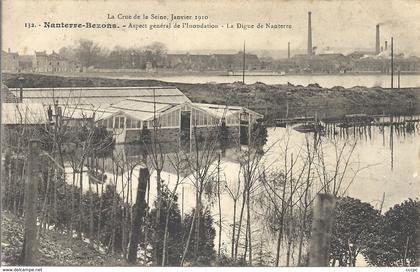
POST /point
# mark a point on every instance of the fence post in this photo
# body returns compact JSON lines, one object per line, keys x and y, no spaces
{"x":322,"y":223}
{"x":30,"y":204}
{"x":138,"y":210}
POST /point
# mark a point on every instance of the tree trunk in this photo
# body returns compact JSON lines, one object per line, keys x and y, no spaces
{"x":305,"y":211}
{"x":44,"y":204}
{"x":123,"y":216}
{"x":233,"y":228}
{"x":139,"y":209}
{"x":91,"y":232}
{"x":279,"y":240}
{"x":249,"y":228}
{"x":301,"y":236}
{"x":197,"y":227}
{"x":290,"y":223}
{"x":81,"y":200}
{"x":220,"y":208}
{"x":30,"y":204}
{"x":98,"y":235}
{"x":72,"y":204}
{"x":189,"y":238}
{"x":165,"y":235}
{"x":157,"y":219}
{"x":238,"y":235}
{"x":100,"y":205}
{"x":114,"y":212}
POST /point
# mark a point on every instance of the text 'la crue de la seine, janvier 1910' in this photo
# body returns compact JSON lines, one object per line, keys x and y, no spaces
{"x":156,"y":21}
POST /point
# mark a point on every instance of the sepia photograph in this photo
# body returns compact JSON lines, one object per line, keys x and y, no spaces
{"x":197,"y":133}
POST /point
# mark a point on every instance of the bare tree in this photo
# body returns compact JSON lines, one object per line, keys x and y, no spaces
{"x":179,"y":165}
{"x":200,"y":163}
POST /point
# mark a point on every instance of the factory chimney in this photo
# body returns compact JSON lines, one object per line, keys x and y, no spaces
{"x":309,"y":35}
{"x":288,"y":50}
{"x":386,"y":45}
{"x":377,"y":49}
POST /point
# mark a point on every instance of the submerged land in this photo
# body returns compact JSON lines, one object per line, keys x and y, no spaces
{"x":274,"y":101}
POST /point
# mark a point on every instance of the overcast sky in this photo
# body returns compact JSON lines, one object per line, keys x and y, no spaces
{"x":339,"y":25}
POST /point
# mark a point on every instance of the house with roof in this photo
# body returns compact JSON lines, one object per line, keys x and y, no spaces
{"x":16,"y":114}
{"x":126,"y":111}
{"x":9,"y":61}
{"x":21,"y":120}
{"x":54,"y":62}
{"x":175,"y":121}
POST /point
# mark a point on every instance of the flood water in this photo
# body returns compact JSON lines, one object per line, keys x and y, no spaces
{"x":327,"y":81}
{"x":384,"y":166}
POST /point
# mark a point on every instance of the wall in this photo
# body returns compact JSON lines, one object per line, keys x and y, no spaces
{"x":172,"y":135}
{"x":165,"y":135}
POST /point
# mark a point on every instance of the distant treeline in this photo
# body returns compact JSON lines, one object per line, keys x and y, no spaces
{"x":152,"y":56}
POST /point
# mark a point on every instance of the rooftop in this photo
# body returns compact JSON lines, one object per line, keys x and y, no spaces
{"x":23,"y":113}
{"x":101,"y":96}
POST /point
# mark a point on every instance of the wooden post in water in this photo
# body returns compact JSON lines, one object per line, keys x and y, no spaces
{"x":322,"y":224}
{"x":31,"y":194}
{"x":138,"y":210}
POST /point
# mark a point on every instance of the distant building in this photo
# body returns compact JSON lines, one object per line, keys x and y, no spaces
{"x":266,"y":63}
{"x":41,"y":63}
{"x":322,"y":63}
{"x":236,"y":61}
{"x":26,"y":63}
{"x":44,"y":63}
{"x":360,"y":54}
{"x":189,"y":62}
{"x":9,"y":61}
{"x":199,"y":62}
{"x":383,"y":64}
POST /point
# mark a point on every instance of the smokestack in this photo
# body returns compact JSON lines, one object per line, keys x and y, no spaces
{"x":309,"y":34}
{"x":288,"y":50}
{"x":386,"y":45}
{"x":377,"y":40}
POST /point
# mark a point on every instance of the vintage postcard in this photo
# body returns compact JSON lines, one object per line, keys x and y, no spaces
{"x":220,"y":133}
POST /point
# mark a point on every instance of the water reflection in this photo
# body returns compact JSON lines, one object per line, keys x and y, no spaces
{"x":393,"y":126}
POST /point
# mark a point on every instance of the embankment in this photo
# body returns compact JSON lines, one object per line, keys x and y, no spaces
{"x":275,"y":101}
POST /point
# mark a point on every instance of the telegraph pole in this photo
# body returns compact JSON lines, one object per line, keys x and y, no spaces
{"x":392,"y":62}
